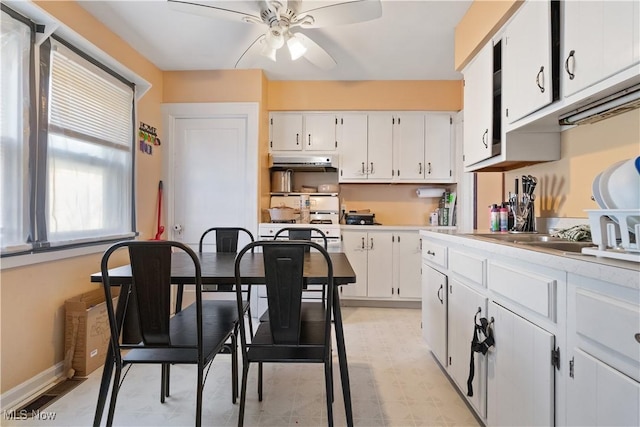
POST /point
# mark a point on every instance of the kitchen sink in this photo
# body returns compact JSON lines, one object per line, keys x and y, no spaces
{"x":521,"y":238}
{"x":541,"y":241}
{"x":564,"y":246}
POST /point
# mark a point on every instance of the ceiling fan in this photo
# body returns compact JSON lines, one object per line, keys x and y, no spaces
{"x":285,"y":20}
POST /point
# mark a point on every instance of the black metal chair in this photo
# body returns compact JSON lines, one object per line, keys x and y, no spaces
{"x":226,"y":241}
{"x":311,"y":310}
{"x":192,"y":336}
{"x":285,"y":338}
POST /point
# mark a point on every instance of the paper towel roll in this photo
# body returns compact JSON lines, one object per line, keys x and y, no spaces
{"x":429,"y":192}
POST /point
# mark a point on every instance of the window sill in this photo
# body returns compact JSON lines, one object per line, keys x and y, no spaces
{"x":36,"y":258}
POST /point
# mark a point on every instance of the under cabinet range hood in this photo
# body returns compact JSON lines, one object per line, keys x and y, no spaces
{"x":612,"y":105}
{"x":304,"y":161}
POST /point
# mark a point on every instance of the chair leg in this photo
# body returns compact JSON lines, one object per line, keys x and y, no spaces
{"x":243,"y":393}
{"x":167,"y":387}
{"x":260,"y":381}
{"x":114,"y":394}
{"x":234,"y":367}
{"x":328,"y":378}
{"x":199,"y":395}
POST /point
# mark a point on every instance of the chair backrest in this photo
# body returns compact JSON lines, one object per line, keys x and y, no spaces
{"x":284,"y":263}
{"x":150,"y":263}
{"x":302,"y":233}
{"x":226,"y":238}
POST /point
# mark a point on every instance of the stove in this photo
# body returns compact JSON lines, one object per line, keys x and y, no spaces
{"x":323,"y":216}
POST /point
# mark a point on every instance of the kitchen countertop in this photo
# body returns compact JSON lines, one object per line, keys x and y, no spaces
{"x":383,"y":227}
{"x":623,"y":273}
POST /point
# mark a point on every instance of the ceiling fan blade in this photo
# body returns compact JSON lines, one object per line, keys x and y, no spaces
{"x":348,"y":12}
{"x":315,"y":54}
{"x":252,"y":51}
{"x":214,"y":9}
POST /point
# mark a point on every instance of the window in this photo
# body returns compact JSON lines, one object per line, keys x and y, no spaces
{"x":77,"y":187}
{"x":16,"y":45}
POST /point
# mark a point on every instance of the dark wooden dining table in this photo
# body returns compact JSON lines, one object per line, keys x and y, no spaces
{"x":218,"y":268}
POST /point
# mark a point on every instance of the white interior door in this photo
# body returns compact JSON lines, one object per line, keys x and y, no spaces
{"x":211,"y":184}
{"x":210,"y":167}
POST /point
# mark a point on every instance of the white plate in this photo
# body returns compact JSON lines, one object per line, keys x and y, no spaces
{"x":604,"y":184}
{"x":595,"y":191}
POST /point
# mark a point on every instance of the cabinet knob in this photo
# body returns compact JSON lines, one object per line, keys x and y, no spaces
{"x":638,"y":337}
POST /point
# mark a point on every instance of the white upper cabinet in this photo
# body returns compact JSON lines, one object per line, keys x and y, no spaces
{"x":600,"y":39}
{"x":379,"y":164}
{"x":352,"y":140}
{"x":478,"y":106}
{"x":286,"y":131}
{"x":408,"y":146}
{"x":303,"y":131}
{"x":438,"y":146}
{"x":528,"y":81}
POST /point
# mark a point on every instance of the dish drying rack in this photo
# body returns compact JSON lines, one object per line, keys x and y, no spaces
{"x":615,"y":232}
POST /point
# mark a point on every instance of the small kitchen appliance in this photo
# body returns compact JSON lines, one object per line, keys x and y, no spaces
{"x":360,"y":218}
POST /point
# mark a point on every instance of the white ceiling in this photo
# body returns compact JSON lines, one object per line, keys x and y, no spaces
{"x":413,"y":40}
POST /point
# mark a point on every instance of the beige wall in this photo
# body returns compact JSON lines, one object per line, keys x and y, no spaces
{"x":564,"y":186}
{"x":478,"y":25}
{"x":442,"y":95}
{"x":32,"y":298}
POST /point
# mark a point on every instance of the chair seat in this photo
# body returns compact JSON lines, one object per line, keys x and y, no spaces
{"x":311,"y":348}
{"x":218,"y":322}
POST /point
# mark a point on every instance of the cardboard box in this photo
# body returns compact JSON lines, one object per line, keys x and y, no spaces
{"x":86,"y":337}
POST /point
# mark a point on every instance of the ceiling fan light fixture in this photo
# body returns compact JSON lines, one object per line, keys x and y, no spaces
{"x":296,"y":47}
{"x":274,"y":37}
{"x":268,"y":51}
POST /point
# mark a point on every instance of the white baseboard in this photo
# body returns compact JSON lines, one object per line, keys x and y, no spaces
{"x":31,"y":388}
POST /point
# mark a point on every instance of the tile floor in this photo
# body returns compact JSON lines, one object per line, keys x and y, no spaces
{"x":394,"y":382}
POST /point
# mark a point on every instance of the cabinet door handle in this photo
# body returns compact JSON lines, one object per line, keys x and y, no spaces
{"x":439,"y":297}
{"x":371,"y":171}
{"x":485,"y":136}
{"x":540,"y":77}
{"x":419,"y":167}
{"x":637,"y":337}
{"x":566,"y":64}
{"x":429,"y":164}
{"x":362,"y":168}
{"x":297,"y":139}
{"x":363,"y":243}
{"x":371,"y":247}
{"x":431,"y":253}
{"x":309,"y":139}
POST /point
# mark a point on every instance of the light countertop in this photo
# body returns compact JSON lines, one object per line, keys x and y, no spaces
{"x":624,"y":273}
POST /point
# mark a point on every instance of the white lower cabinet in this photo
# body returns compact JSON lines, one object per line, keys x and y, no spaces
{"x":567,"y":346}
{"x":434,"y":312}
{"x":603,"y":388}
{"x":520,"y":383}
{"x":464,"y":303}
{"x":386,"y":263}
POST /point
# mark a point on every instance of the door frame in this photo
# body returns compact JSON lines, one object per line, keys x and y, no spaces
{"x":249,"y":111}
